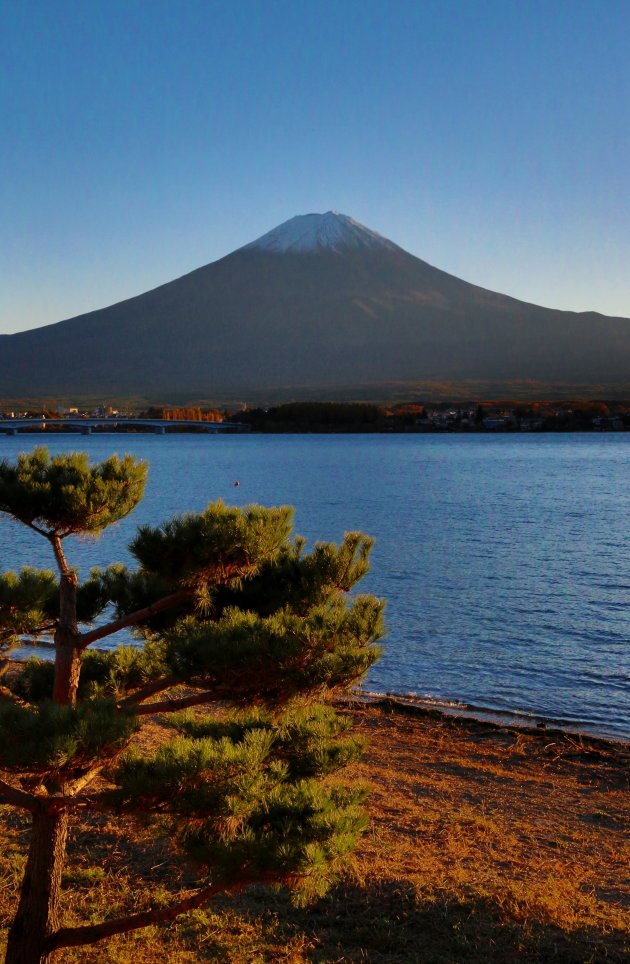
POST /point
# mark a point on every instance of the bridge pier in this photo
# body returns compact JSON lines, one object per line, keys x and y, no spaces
{"x":86,"y":430}
{"x":160,"y":430}
{"x":10,"y":431}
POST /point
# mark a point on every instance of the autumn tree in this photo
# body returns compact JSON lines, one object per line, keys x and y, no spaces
{"x":242,"y":639}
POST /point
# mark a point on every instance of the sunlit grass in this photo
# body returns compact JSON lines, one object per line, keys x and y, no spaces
{"x":485,"y":845}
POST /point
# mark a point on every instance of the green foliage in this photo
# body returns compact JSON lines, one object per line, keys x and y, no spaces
{"x":92,"y":598}
{"x":64,"y":494}
{"x":116,"y":672}
{"x":194,"y":775}
{"x":301,"y":831}
{"x":310,"y":739}
{"x":241,"y":795}
{"x":287,"y":577}
{"x":49,"y":736}
{"x":34,"y":682}
{"x":300,"y":581}
{"x":28,"y":601}
{"x":221,"y":544}
{"x":130,"y":591}
{"x":245,"y":656}
{"x":103,"y":674}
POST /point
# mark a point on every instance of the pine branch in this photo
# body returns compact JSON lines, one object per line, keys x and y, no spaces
{"x":140,"y":616}
{"x":31,"y":641}
{"x":150,"y":689}
{"x":17,"y":797}
{"x":79,"y":783}
{"x":91,"y":933}
{"x":102,"y":801}
{"x":31,"y":525}
{"x":171,"y":706}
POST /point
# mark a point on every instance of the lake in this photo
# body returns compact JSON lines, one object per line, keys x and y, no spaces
{"x":504,"y":558}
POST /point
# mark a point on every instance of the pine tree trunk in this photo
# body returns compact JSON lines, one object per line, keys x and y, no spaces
{"x":38,"y":911}
{"x":67,"y":655}
{"x":67,"y":671}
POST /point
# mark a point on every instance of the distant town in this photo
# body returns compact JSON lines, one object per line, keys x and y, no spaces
{"x":322,"y":417}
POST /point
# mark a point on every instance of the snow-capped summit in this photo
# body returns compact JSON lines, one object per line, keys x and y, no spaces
{"x":317,"y":233}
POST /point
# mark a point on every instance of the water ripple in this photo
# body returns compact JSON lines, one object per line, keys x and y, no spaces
{"x":504,"y":559}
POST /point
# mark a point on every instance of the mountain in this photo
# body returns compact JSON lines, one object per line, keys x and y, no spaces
{"x":318,"y":305}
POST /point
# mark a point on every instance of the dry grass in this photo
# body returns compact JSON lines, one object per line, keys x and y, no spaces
{"x":486,"y":845}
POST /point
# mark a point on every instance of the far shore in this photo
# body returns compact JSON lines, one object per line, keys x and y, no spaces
{"x":572,"y":429}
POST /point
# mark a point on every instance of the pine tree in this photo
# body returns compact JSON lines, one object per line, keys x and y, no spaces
{"x":243,"y":640}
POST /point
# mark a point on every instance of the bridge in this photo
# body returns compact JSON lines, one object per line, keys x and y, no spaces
{"x":13,"y":426}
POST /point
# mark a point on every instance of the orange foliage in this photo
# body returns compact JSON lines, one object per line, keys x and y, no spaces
{"x":192,"y":415}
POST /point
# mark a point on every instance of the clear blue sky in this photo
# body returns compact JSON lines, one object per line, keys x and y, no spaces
{"x":141,"y":139}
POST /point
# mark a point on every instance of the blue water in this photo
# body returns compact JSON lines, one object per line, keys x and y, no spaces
{"x":504,"y":559}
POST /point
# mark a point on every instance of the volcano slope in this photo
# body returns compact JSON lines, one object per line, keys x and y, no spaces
{"x":318,"y":304}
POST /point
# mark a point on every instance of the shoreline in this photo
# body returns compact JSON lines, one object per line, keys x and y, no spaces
{"x":506,"y":720}
{"x":489,"y":720}
{"x":509,"y":720}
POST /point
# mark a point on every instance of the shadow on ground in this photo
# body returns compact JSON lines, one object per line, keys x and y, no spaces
{"x":389,"y":921}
